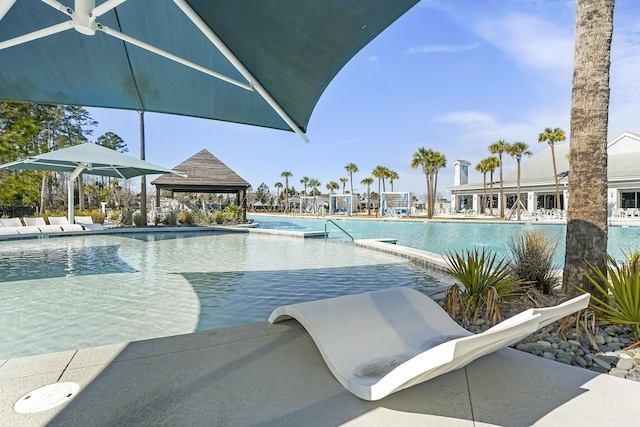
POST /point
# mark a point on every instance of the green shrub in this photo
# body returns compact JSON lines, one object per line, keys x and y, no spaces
{"x":202,"y":218}
{"x":218,"y":217}
{"x":233,"y":213}
{"x":485,"y":282}
{"x":138,"y":220}
{"x":170,"y":218}
{"x":618,"y":298}
{"x":532,"y":262}
{"x":186,"y":218}
{"x":97,"y":216}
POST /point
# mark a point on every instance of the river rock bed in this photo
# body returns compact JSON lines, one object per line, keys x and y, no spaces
{"x":605,"y":355}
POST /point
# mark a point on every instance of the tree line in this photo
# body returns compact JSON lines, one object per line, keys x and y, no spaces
{"x":30,"y":129}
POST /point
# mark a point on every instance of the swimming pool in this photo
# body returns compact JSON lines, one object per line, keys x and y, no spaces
{"x":442,"y":237}
{"x":80,"y":291}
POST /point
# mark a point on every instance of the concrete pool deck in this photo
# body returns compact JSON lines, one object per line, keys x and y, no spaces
{"x":260,"y":374}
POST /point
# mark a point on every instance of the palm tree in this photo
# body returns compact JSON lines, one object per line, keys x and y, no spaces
{"x":344,"y":182}
{"x":304,"y":181}
{"x":551,"y":137}
{"x":393,"y":175}
{"x":278,"y":185}
{"x":431,"y":162}
{"x":332,"y":185}
{"x":286,"y":175}
{"x":499,"y":148}
{"x":314,"y":184}
{"x":484,"y":168}
{"x":517,"y":150}
{"x":438,"y":161}
{"x":587,"y":211}
{"x":492,"y":163}
{"x":368,"y":181}
{"x":351,"y":168}
{"x":379,"y":172}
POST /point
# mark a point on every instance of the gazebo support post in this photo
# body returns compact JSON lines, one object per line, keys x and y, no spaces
{"x":157,"y":197}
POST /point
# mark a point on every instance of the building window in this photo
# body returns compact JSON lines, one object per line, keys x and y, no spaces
{"x":629,"y":199}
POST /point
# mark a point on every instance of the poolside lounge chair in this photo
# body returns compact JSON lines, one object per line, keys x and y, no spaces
{"x":63,"y":223}
{"x":17,"y":225}
{"x":87,"y":223}
{"x":381,"y":342}
{"x":42,"y":225}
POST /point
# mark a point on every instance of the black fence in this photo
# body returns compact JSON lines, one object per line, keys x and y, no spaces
{"x":11,"y":211}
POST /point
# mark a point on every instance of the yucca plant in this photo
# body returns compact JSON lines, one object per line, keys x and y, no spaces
{"x":618,"y":299}
{"x":533,"y":255}
{"x":485,"y":280}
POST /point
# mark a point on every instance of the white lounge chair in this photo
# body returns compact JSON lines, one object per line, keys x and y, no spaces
{"x":17,"y":225}
{"x":87,"y":223}
{"x":42,"y":225}
{"x":63,"y":223}
{"x":381,"y":342}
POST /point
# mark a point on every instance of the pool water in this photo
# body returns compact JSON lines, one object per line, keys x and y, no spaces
{"x":80,"y":291}
{"x":444,"y":237}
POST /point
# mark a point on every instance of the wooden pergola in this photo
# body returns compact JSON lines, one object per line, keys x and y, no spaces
{"x":205,"y":173}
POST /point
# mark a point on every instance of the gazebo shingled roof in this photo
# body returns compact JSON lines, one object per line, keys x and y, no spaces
{"x":205,"y":174}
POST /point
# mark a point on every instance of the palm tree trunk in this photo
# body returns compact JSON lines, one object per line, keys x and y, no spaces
{"x":491,"y":194}
{"x":518,"y":192}
{"x":501,"y":191}
{"x":433,"y":193}
{"x":484,"y":193}
{"x":587,"y":211}
{"x":555,"y":175}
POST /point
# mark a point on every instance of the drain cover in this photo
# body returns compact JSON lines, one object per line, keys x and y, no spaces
{"x":46,"y":397}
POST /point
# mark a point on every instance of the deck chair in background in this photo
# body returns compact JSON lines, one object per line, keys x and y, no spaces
{"x":17,"y":225}
{"x":42,"y":225}
{"x":87,"y":223}
{"x":381,"y":342}
{"x":63,"y":223}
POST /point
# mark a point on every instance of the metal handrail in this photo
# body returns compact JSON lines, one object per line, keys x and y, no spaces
{"x":343,"y":230}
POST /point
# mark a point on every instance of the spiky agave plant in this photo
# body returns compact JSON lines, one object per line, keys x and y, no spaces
{"x":618,"y":299}
{"x":485,"y":281}
{"x":533,"y":256}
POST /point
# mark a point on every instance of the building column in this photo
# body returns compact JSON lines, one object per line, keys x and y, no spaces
{"x":455,"y":201}
{"x":532,"y":201}
{"x":476,"y":203}
{"x":565,"y":202}
{"x":612,"y":200}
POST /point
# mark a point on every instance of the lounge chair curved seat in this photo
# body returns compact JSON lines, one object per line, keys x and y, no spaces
{"x":63,"y":223}
{"x":40,"y":223}
{"x":381,"y":342}
{"x":17,"y":225}
{"x":87,"y":223}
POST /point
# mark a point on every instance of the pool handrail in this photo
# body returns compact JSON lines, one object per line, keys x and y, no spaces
{"x":342,"y":229}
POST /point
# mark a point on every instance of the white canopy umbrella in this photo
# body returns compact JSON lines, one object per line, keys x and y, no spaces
{"x":90,"y":159}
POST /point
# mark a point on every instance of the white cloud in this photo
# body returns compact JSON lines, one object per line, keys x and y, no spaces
{"x":373,"y":58}
{"x":465,"y":117}
{"x":534,"y":43}
{"x":442,"y":48}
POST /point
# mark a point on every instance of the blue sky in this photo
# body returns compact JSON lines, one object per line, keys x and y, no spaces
{"x":451,"y":75}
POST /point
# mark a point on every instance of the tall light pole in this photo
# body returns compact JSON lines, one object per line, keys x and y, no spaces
{"x":143,"y":178}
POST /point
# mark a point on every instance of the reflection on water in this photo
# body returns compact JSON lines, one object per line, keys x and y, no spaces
{"x":42,"y":263}
{"x":233,"y":297}
{"x":79,"y":291}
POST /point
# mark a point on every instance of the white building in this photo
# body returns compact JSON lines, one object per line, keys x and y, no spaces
{"x":537,"y":184}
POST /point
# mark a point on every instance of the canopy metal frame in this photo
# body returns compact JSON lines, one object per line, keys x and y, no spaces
{"x":83,"y":18}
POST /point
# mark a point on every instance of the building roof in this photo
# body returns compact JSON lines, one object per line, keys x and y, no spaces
{"x":537,"y":172}
{"x":205,"y":174}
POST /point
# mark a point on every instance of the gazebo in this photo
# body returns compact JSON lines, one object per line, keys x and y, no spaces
{"x":205,"y":173}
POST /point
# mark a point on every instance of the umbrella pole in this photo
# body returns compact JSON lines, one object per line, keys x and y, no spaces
{"x":72,"y":177}
{"x":70,"y":200}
